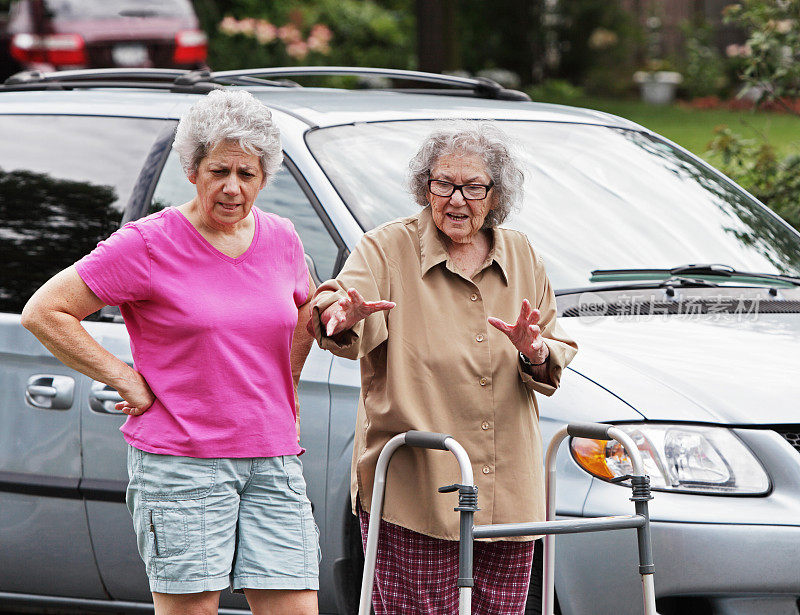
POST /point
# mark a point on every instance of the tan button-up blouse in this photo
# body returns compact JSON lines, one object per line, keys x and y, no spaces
{"x":434,"y":363}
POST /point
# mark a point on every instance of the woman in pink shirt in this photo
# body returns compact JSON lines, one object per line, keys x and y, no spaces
{"x":211,"y":292}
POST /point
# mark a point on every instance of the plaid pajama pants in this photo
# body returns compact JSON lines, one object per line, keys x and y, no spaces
{"x":416,"y":574}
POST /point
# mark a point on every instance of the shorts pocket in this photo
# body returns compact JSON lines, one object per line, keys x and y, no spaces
{"x":169,"y":531}
{"x":294,"y":475}
{"x":173,"y":478}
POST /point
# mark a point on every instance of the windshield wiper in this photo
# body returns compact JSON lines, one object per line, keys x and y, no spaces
{"x":671,"y":282}
{"x":139,"y":13}
{"x":700,"y":270}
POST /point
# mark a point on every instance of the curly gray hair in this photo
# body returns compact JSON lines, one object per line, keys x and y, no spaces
{"x":222,"y":116}
{"x":471,"y":138}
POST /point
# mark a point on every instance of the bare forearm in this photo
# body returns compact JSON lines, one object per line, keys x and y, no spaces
{"x":301,"y":342}
{"x":63,"y":335}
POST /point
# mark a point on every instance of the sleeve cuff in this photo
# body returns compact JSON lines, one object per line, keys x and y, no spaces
{"x":89,"y":280}
{"x":345,"y":344}
{"x":560,"y":355}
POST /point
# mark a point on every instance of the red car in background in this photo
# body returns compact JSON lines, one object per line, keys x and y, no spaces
{"x":52,"y":35}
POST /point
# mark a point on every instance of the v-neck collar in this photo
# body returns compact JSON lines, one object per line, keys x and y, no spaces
{"x":215,"y":251}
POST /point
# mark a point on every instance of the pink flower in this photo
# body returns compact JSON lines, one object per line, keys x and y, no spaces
{"x":738,"y":51}
{"x":229,"y":25}
{"x":318,"y":45}
{"x":321,"y":32}
{"x":298,"y":50}
{"x":247,"y":26}
{"x":265,"y":31}
{"x":290,"y":34}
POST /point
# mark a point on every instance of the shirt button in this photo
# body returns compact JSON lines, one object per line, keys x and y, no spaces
{"x":485,"y":425}
{"x":473,"y":297}
{"x":479,"y":337}
{"x":483,"y":382}
{"x":486,"y":469}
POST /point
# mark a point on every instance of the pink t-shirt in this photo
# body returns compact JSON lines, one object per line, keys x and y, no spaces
{"x":211,"y":334}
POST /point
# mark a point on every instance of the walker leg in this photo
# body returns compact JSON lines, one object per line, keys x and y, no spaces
{"x":549,"y":559}
{"x":464,"y":601}
{"x":548,"y":574}
{"x":641,"y":495}
{"x":649,"y":593}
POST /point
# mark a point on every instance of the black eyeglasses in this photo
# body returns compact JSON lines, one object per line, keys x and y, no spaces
{"x":473,"y":192}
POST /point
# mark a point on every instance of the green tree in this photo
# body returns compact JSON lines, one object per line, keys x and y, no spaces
{"x":772,"y":69}
{"x":755,"y":165}
{"x":597,"y":41}
{"x":772,"y":64}
{"x":505,"y":34}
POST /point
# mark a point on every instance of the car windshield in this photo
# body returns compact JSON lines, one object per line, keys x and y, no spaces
{"x":106,"y":9}
{"x":596,"y":197}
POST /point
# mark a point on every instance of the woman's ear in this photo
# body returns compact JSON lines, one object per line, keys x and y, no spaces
{"x":192,"y":176}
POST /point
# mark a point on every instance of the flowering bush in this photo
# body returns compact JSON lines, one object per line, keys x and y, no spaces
{"x":287,"y":39}
{"x":771,"y":55}
{"x":253,"y":33}
{"x":771,"y":66}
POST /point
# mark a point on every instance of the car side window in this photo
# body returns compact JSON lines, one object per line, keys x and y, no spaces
{"x":282,"y":196}
{"x":64,"y":182}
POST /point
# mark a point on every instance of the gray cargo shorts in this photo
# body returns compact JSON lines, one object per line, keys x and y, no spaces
{"x":208,"y":524}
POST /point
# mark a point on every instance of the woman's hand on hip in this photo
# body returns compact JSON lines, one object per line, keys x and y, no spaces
{"x":349,"y":310}
{"x":525,"y":334}
{"x":138,"y":398}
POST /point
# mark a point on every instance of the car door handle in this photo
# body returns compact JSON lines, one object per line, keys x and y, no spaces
{"x":50,"y":392}
{"x":103,"y":397}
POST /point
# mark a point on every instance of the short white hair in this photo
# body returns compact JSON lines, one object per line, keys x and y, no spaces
{"x":483,"y":139}
{"x":226,"y":115}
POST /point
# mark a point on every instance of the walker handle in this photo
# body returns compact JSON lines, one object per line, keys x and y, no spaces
{"x":595,"y":431}
{"x":427,"y":439}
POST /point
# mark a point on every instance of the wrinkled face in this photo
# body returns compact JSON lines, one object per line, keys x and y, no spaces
{"x":459,"y":218}
{"x":228,"y":180}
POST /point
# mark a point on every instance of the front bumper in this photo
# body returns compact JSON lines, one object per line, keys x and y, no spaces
{"x":714,"y":555}
{"x":738,"y":569}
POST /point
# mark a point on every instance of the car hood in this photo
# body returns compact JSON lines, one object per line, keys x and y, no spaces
{"x":125,"y":28}
{"x":715,"y":369}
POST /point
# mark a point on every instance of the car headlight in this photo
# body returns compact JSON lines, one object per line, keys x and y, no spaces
{"x":685,"y":458}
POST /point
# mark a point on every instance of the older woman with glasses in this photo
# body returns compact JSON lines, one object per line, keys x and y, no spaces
{"x":454,"y":321}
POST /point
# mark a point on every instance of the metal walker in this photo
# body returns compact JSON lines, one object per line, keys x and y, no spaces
{"x":468,"y":505}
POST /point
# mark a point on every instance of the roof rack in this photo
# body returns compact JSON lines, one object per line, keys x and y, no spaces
{"x":203,"y":81}
{"x":174,"y":80}
{"x":480,"y":86}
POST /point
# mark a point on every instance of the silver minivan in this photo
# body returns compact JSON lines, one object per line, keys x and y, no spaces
{"x":682,"y":290}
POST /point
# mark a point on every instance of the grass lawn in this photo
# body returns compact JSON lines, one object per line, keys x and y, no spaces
{"x":693,"y":128}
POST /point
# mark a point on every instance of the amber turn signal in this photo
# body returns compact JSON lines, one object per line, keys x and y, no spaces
{"x":591,"y":456}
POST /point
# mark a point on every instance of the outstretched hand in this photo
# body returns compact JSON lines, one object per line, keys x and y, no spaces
{"x":525,"y":334}
{"x":349,"y":310}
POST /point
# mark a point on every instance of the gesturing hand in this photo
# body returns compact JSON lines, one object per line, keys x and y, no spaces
{"x":525,"y":334}
{"x":346,"y":312}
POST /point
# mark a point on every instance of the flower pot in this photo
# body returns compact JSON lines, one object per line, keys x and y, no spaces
{"x":658,"y":88}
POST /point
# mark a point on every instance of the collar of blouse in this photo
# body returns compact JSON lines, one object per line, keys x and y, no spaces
{"x":433,"y":252}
